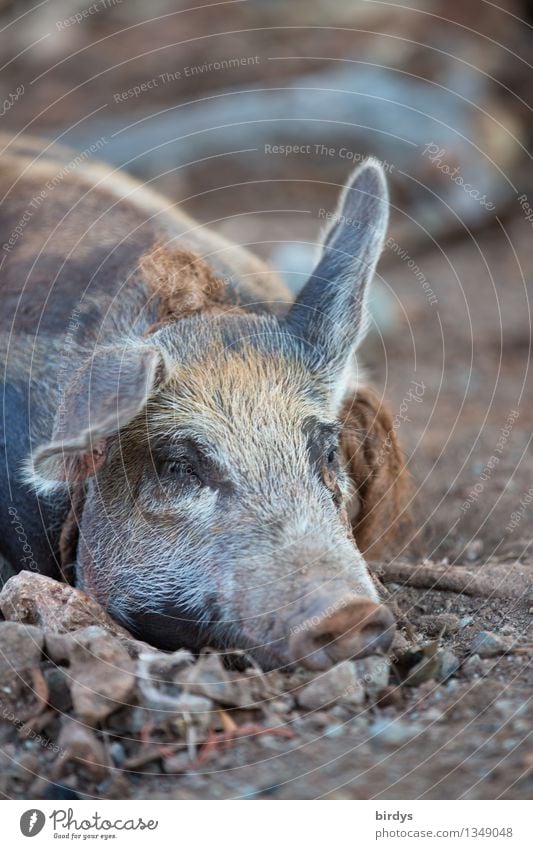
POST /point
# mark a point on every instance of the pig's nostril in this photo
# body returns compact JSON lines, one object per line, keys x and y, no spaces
{"x":357,"y":629}
{"x":324,"y":639}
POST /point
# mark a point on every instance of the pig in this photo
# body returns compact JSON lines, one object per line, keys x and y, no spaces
{"x":191,"y":445}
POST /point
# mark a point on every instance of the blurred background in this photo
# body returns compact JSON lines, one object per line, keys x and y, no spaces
{"x":251,"y":115}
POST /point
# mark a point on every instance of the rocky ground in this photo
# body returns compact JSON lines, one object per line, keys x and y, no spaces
{"x":89,"y":712}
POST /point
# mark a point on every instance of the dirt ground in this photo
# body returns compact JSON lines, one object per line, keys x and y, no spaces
{"x":449,"y":348}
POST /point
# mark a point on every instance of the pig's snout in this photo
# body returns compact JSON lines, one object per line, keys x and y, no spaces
{"x":357,"y":629}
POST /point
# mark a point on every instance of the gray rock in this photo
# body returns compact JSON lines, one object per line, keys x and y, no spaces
{"x":339,"y":684}
{"x":448,"y":664}
{"x":473,"y":666}
{"x":373,"y":673}
{"x":488,"y":644}
{"x":393,"y":733}
{"x":474,"y":550}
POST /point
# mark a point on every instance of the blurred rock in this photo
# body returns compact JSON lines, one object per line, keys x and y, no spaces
{"x":393,"y":733}
{"x":79,"y":744}
{"x":339,"y":684}
{"x":487,"y":644}
{"x":448,"y":664}
{"x":208,"y":678}
{"x":373,"y":674}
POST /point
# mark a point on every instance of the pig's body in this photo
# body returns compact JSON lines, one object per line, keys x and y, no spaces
{"x":199,"y":452}
{"x":70,"y":280}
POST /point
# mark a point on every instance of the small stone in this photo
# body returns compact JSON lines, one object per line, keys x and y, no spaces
{"x":58,"y":689}
{"x":338,"y":684}
{"x":373,"y":674}
{"x":474,"y":550}
{"x":473,"y":666}
{"x":180,"y":762}
{"x":465,"y":620}
{"x":101,"y":672}
{"x":393,"y":733}
{"x":335,"y":730}
{"x":488,"y":644}
{"x":449,"y":664}
{"x":79,"y":744}
{"x":209,"y":678}
{"x":433,"y":714}
{"x":118,"y":755}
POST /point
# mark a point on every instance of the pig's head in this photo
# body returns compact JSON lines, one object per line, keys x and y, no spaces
{"x":216,"y":507}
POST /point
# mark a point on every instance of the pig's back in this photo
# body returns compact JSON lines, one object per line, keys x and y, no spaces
{"x":72,"y":230}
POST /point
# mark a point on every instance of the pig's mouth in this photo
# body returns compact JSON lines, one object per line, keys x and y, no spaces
{"x":358,"y":628}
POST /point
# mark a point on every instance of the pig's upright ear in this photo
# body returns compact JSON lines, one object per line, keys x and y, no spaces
{"x":104,"y":395}
{"x":329,"y":313}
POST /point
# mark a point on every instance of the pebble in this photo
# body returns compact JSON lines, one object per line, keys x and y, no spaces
{"x":433,"y":714}
{"x":449,"y":664}
{"x":102,"y":674}
{"x":336,"y":730}
{"x":338,"y":684}
{"x":58,"y":688}
{"x":465,"y":620}
{"x":474,"y":550}
{"x":393,"y":733}
{"x":373,"y":673}
{"x":118,"y":755}
{"x":208,"y":678}
{"x":473,"y":666}
{"x":488,"y":644}
{"x":80,"y":744}
{"x":24,"y":765}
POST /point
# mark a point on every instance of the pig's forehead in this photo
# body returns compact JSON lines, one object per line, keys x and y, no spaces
{"x":231,"y":378}
{"x":238,"y":396}
{"x":243,"y":382}
{"x":210,"y":338}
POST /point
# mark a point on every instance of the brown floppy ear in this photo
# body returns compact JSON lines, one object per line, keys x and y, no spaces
{"x":375,"y":462}
{"x":103,"y":396}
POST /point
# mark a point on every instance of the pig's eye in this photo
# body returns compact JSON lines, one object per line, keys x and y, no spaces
{"x":182,"y":470}
{"x":332,"y":456}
